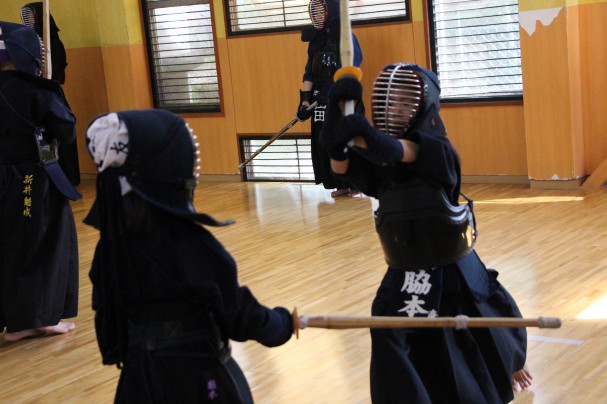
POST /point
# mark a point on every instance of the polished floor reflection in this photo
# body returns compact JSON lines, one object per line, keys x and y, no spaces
{"x":297,"y":247}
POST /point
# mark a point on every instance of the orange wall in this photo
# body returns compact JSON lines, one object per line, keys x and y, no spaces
{"x":593,"y":56}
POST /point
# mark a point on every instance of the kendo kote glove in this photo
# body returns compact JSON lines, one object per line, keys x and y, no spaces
{"x":303,"y":114}
{"x":334,"y":141}
{"x":381,"y":148}
{"x":345,"y":89}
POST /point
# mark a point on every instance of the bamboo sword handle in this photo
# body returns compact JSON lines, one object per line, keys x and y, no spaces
{"x":46,"y":39}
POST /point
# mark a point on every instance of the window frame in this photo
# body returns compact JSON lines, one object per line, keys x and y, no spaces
{"x":231,"y":33}
{"x":217,"y":109}
{"x":463,"y":99}
{"x":262,"y":137}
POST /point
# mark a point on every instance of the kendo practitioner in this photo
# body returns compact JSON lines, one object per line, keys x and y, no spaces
{"x":31,"y":15}
{"x":38,"y":241}
{"x":165,"y":291}
{"x":407,"y":162}
{"x":323,"y":60}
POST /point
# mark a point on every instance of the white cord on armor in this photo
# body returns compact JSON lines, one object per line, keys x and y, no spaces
{"x":303,"y":321}
{"x":461,"y":322}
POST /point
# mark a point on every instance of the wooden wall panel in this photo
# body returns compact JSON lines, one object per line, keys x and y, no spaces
{"x":593,"y":56}
{"x":266,"y":73}
{"x":119,"y":78}
{"x":85,"y":90}
{"x":547,"y":95}
{"x":575,"y":86}
{"x":140,"y":76}
{"x":216,"y":133}
{"x":382,"y":45}
{"x":490,"y":139}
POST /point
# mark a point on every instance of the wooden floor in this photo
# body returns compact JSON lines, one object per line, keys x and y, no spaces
{"x":297,"y":247}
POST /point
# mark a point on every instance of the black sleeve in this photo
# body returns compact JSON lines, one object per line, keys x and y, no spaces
{"x":308,"y":76}
{"x":241,"y":316}
{"x":270,"y":327}
{"x":438,"y":161}
{"x":58,"y":118}
{"x":361,"y":175}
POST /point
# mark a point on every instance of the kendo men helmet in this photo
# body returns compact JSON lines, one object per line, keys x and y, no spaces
{"x":323,"y":12}
{"x":23,"y":47}
{"x":406,"y":99}
{"x":154,"y":154}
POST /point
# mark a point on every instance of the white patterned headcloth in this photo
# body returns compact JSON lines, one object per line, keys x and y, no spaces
{"x":108,"y":144}
{"x":3,"y":52}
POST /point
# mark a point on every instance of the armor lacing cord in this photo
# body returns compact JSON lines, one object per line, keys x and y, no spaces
{"x":461,"y":322}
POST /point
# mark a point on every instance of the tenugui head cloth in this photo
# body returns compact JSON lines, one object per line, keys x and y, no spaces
{"x":3,"y":52}
{"x":406,"y":98}
{"x":23,"y":47}
{"x":153,"y":154}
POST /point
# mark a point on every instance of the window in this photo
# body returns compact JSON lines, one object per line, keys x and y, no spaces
{"x":286,"y":159}
{"x":247,"y":16}
{"x":476,"y":49}
{"x":182,"y":55}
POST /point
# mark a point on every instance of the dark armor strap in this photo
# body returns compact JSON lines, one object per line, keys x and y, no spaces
{"x":48,"y":153}
{"x":324,"y":65}
{"x":325,"y":61}
{"x":200,"y":328}
{"x":419,"y":228}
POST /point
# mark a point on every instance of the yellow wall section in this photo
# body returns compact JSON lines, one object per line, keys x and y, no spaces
{"x":76,"y":19}
{"x":219,"y":19}
{"x":132,"y":9}
{"x":417,"y":10}
{"x":529,"y":5}
{"x":10,"y":10}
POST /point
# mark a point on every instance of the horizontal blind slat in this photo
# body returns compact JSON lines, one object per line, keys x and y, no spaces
{"x":477,"y":48}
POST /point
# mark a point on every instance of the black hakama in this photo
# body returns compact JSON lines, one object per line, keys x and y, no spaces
{"x":38,"y":241}
{"x":38,"y":251}
{"x":447,"y":365}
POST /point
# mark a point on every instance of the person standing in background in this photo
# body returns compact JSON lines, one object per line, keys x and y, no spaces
{"x":323,"y":60}
{"x":38,"y":240}
{"x":31,"y":15}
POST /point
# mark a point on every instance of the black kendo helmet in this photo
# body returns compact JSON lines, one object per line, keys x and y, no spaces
{"x":406,"y":99}
{"x":161,"y":161}
{"x":323,"y":13}
{"x":23,"y":46}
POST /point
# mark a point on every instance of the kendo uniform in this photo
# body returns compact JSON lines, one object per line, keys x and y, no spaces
{"x":31,"y":14}
{"x":38,"y":241}
{"x":323,"y":60}
{"x":428,"y":240}
{"x":167,"y":301}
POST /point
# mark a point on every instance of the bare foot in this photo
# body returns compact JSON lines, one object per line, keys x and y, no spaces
{"x":521,"y":379}
{"x":340,"y":192}
{"x":61,"y":328}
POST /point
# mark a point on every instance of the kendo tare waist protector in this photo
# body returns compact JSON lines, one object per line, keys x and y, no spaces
{"x":419,"y":228}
